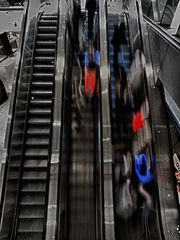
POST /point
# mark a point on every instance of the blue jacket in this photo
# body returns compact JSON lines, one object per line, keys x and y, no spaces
{"x":96,"y":57}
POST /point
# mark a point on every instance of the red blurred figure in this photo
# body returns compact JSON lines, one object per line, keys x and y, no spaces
{"x":90,"y":81}
{"x":138,"y":122}
{"x":91,"y":62}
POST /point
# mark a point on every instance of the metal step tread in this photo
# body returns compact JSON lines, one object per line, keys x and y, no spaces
{"x":43,"y":75}
{"x":44,"y":66}
{"x":39,"y":120}
{"x":33,"y":187}
{"x":49,"y":22}
{"x":44,"y":59}
{"x":41,"y":93}
{"x":40,"y":102}
{"x":38,"y":132}
{"x":33,"y":153}
{"x":40,"y":111}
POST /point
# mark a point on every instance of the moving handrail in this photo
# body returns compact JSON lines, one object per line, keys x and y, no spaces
{"x":162,"y":33}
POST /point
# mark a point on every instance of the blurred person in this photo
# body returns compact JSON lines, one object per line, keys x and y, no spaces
{"x":135,"y":78}
{"x":76,"y":20}
{"x":90,"y":73}
{"x":126,"y":196}
{"x":77,"y":96}
{"x":91,"y":7}
{"x":122,"y":104}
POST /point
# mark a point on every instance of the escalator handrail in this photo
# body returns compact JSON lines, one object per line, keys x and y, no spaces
{"x":50,"y":136}
{"x":64,"y":79}
{"x":9,"y":128}
{"x":162,"y":33}
{"x":157,"y":199}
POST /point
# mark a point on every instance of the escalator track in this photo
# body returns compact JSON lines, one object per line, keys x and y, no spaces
{"x":143,"y":223}
{"x":81,"y":193}
{"x":33,"y":187}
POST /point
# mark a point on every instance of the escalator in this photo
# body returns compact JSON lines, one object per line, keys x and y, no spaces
{"x":35,"y":167}
{"x":33,"y":176}
{"x":142,"y":223}
{"x":80,"y":207}
{"x":81,"y":193}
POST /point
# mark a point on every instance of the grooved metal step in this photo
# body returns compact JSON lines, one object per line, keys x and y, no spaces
{"x":42,"y":84}
{"x":40,"y":102}
{"x":44,"y":36}
{"x":29,"y":236}
{"x":46,"y":43}
{"x":49,"y":22}
{"x":47,"y":29}
{"x":43,"y":67}
{"x":33,"y":187}
{"x":30,"y":225}
{"x":41,"y":94}
{"x":38,"y":132}
{"x":34,"y":142}
{"x":48,"y":17}
{"x":44,"y":59}
{"x":43,"y":75}
{"x":45,"y":51}
{"x":34,"y":175}
{"x":39,"y":112}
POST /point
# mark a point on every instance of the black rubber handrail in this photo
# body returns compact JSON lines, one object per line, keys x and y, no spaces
{"x":50,"y":135}
{"x":162,"y":33}
{"x":157,"y":200}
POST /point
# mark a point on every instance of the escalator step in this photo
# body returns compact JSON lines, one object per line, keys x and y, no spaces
{"x":36,"y":174}
{"x":30,"y":226}
{"x":44,"y":94}
{"x":41,"y":102}
{"x":47,"y":29}
{"x":36,"y":132}
{"x":32,"y":198}
{"x":44,"y":67}
{"x":29,"y":236}
{"x":36,"y":153}
{"x":39,"y":121}
{"x":46,"y":36}
{"x":46,"y":43}
{"x":43,"y":22}
{"x":44,"y":59}
{"x":40,"y":85}
{"x":48,"y":17}
{"x":34,"y":142}
{"x":33,"y":187}
{"x":35,"y":212}
{"x":43,"y":75}
{"x":45,"y":51}
{"x":35,"y":164}
{"x":40,"y":112}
